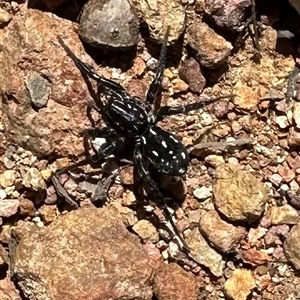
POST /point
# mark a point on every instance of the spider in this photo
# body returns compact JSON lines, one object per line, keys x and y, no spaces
{"x":133,"y":122}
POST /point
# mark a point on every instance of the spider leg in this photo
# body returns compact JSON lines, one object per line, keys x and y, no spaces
{"x":104,"y":151}
{"x":103,"y":82}
{"x":155,"y":87}
{"x":165,"y":111}
{"x":144,"y":173}
{"x":94,"y":133}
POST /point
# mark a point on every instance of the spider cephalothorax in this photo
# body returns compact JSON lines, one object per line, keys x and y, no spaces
{"x":131,"y":121}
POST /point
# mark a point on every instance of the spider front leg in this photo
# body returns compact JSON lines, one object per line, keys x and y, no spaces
{"x":160,"y":200}
{"x":104,"y":83}
{"x":156,"y":85}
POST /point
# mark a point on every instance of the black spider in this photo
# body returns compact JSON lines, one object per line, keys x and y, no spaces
{"x":131,"y":121}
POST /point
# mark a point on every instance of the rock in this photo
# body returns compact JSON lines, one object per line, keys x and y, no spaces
{"x":239,"y":285}
{"x":212,"y":49}
{"x":293,"y":162}
{"x":282,"y":121}
{"x":5,"y":17}
{"x":146,"y":231}
{"x":23,"y":228}
{"x":126,"y":175}
{"x":203,"y":253}
{"x":238,"y":194}
{"x":296,"y":114}
{"x":109,"y":23}
{"x":294,"y":198}
{"x":254,"y":257}
{"x":206,"y":119}
{"x":51,"y":129}
{"x":7,"y":178}
{"x":275,"y":234}
{"x":178,"y":86}
{"x":128,"y":215}
{"x":154,"y":255}
{"x":256,"y":234}
{"x":202,"y":193}
{"x":4,"y":257}
{"x":137,"y":88}
{"x":276,"y":179}
{"x":51,"y":195}
{"x":26,"y":207}
{"x":86,"y":243}
{"x":281,"y":215}
{"x":294,"y":137}
{"x":38,"y":89}
{"x":291,"y":247}
{"x":160,"y":14}
{"x":33,"y":179}
{"x":48,"y":213}
{"x":47,"y":174}
{"x":214,"y":160}
{"x":228,"y":14}
{"x":9,"y":207}
{"x":286,"y":173}
{"x":2,"y":194}
{"x":224,"y":236}
{"x":8,"y":291}
{"x":190,"y":72}
{"x":173,"y":282}
{"x":8,"y":163}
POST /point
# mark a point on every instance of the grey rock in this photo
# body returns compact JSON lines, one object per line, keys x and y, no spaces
{"x":38,"y":89}
{"x":109,"y":23}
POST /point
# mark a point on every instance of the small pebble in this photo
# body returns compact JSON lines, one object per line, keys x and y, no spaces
{"x":206,"y":119}
{"x":9,"y":207}
{"x":8,"y":178}
{"x":2,"y":194}
{"x":202,"y":193}
{"x":8,"y":163}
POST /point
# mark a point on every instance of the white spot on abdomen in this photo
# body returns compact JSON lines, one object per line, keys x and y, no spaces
{"x":155,"y":153}
{"x":164,"y":144}
{"x":173,"y":139}
{"x":152,"y":131}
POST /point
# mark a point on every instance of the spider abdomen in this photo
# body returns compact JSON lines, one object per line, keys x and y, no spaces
{"x":164,"y":151}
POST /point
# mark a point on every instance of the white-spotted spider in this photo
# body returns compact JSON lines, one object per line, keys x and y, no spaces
{"x":132,"y":122}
